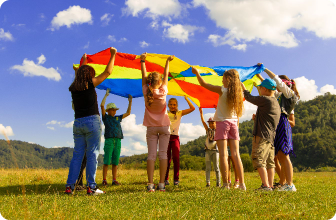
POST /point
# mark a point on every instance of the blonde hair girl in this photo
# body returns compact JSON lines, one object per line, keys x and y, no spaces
{"x":229,"y":109}
{"x":156,"y":120}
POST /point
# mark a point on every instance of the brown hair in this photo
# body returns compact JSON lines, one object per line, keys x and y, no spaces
{"x":152,"y":79}
{"x":173,"y":99}
{"x":293,"y":87}
{"x":83,"y":76}
{"x":235,"y":93}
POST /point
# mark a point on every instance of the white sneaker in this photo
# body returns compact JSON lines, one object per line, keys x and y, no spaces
{"x":242,"y":187}
{"x":287,"y":187}
{"x":95,"y":192}
{"x":226,"y":186}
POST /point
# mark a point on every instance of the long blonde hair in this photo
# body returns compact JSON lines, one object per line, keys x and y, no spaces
{"x":235,"y":93}
{"x":152,"y":79}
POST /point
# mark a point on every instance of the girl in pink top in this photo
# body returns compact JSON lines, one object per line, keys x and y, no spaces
{"x":156,"y":120}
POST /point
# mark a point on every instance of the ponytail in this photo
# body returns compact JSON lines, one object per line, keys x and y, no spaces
{"x":294,"y":88}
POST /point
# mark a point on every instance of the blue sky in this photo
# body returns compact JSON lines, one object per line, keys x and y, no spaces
{"x":39,"y":41}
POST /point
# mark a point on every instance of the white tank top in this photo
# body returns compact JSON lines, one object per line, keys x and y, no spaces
{"x":222,"y":113}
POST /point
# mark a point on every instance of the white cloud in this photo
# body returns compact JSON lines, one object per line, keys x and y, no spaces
{"x":189,"y":132}
{"x":29,"y":68}
{"x":153,"y":8}
{"x":30,"y":142}
{"x":6,"y":130}
{"x":73,"y":15}
{"x":133,"y":130}
{"x":123,"y":39}
{"x":133,"y":148}
{"x":239,"y":47}
{"x":155,"y":25}
{"x":60,"y":123}
{"x":270,"y":22}
{"x":5,"y":35}
{"x":178,"y":32}
{"x":111,"y":38}
{"x":143,"y":44}
{"x":249,"y":110}
{"x":106,"y":18}
{"x":51,"y":128}
{"x":86,"y":46}
{"x":56,"y":147}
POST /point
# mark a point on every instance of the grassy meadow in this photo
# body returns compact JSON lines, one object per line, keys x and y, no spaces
{"x":39,"y":194}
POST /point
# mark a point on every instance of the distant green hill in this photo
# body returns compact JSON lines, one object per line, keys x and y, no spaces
{"x":35,"y":156}
{"x":314,"y":137}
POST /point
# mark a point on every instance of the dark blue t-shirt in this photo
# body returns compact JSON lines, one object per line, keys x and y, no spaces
{"x":112,"y":126}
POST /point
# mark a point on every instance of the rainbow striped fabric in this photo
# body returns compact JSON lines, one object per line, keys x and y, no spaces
{"x":126,"y":76}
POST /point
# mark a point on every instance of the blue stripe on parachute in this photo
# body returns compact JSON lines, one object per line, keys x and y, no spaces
{"x":123,"y":87}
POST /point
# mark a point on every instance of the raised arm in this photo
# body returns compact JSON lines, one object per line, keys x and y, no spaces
{"x":143,"y":68}
{"x":166,"y":71}
{"x":212,"y":88}
{"x":129,"y":107}
{"x":102,"y":105}
{"x":108,"y":70}
{"x":190,"y":109}
{"x":202,"y":119}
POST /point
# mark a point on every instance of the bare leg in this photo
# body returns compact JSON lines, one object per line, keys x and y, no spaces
{"x":150,"y":170}
{"x":287,"y":167}
{"x":114,"y":171}
{"x":163,"y":169}
{"x":270,"y":174}
{"x":234,"y":147}
{"x":223,"y":154}
{"x":263,"y":175}
{"x":229,"y":171}
{"x":105,"y":168}
{"x":277,"y":166}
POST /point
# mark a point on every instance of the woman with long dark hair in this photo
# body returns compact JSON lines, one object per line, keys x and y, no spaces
{"x":87,"y":125}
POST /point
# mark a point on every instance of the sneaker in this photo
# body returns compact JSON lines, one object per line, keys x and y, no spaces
{"x":236,"y":185}
{"x":226,"y":186}
{"x":80,"y":188}
{"x":68,"y":190}
{"x":277,"y":185}
{"x":208,"y":185}
{"x":150,"y":188}
{"x":218,"y":184}
{"x":162,"y":188}
{"x":94,"y":192}
{"x":166,"y":182}
{"x":176,"y":183}
{"x":242,"y":187}
{"x":287,"y":187}
{"x":264,"y":188}
{"x":104,"y":183}
{"x":115,"y":183}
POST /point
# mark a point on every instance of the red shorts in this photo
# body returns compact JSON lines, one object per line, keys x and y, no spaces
{"x":226,"y":130}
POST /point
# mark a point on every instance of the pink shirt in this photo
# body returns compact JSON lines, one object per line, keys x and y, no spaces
{"x":156,"y":114}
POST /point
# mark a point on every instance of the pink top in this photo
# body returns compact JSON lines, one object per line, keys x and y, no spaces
{"x":156,"y":114}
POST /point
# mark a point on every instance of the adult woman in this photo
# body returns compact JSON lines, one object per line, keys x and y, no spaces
{"x":87,"y":125}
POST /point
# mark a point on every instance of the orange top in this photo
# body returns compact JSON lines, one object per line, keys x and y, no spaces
{"x":156,"y":114}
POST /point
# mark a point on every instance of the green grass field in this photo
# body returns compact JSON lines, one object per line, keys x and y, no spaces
{"x":44,"y":198}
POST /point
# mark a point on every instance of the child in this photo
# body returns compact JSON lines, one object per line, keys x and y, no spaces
{"x":288,"y":96}
{"x":113,"y":135}
{"x":156,"y":120}
{"x":211,"y":150}
{"x":229,"y":108}
{"x":175,"y":116}
{"x":265,"y":123}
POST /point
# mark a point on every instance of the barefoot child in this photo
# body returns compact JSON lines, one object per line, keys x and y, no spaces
{"x":113,"y":135}
{"x":265,"y":123}
{"x":211,"y":150}
{"x":229,"y":108}
{"x":175,"y":116}
{"x":156,"y":120}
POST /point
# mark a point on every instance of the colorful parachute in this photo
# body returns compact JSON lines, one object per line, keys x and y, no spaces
{"x":126,"y":76}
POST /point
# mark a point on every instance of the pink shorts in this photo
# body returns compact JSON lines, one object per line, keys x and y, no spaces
{"x":226,"y":130}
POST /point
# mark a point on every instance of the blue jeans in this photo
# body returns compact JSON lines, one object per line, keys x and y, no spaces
{"x":87,"y":133}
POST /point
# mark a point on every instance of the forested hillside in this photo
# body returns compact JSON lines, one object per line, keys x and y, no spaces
{"x":35,"y":156}
{"x":314,"y":137}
